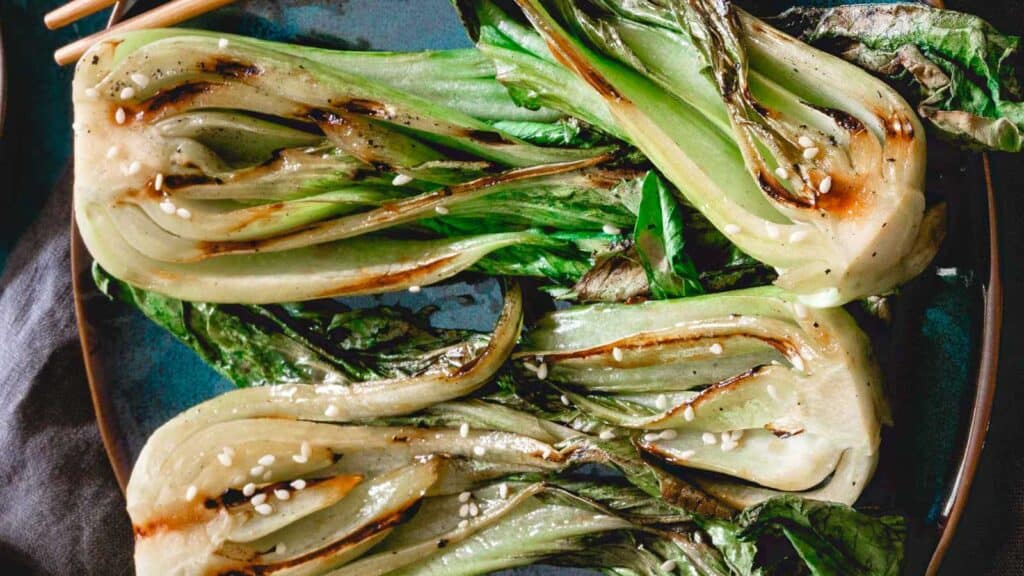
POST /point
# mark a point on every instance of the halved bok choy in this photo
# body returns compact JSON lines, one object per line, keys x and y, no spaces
{"x":751,"y":393}
{"x":805,"y":162}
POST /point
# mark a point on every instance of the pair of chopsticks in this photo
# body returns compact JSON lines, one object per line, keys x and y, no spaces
{"x":166,"y":15}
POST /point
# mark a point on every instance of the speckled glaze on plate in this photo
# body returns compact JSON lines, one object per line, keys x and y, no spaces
{"x":140,"y":376}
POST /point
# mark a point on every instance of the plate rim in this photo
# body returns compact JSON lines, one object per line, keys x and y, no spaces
{"x":985,"y":379}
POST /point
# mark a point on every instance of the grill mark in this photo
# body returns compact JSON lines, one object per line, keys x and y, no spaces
{"x":645,"y":340}
{"x":844,"y":120}
{"x":235,"y":68}
{"x":775,"y":191}
{"x":781,"y":433}
{"x":177,"y":95}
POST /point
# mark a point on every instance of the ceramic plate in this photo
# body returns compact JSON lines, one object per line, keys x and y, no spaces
{"x":941,"y":344}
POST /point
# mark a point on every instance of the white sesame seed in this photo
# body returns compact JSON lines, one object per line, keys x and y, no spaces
{"x":771,"y":230}
{"x":797,"y":362}
{"x":167,"y":207}
{"x":415,"y":289}
{"x":91,"y":93}
{"x":441,"y":210}
{"x":716,"y":349}
{"x":222,"y":43}
{"x":825,"y":186}
{"x":464,"y":430}
{"x":267,"y":460}
{"x":668,"y":565}
{"x":191,"y":493}
{"x":465,"y":496}
{"x":140,"y":80}
{"x":669,"y":434}
{"x":225,"y":459}
{"x":503,"y":490}
{"x":127,"y":93}
{"x":617,"y":354}
{"x":120,"y":116}
{"x":709,"y":438}
{"x":479,"y":450}
{"x":463,"y":524}
{"x":896,"y":126}
{"x":946,"y":272}
{"x":183,"y":213}
{"x":463,"y":510}
{"x":698,"y":538}
{"x":731,"y":229}
{"x":281,"y":548}
{"x":611,"y":229}
{"x":542,"y":371}
{"x":652,"y":437}
{"x":401,"y":180}
{"x":265,"y":509}
{"x":798,"y":236}
{"x":331,"y":411}
{"x":258,"y":499}
{"x":728,"y":446}
{"x":781,"y":173}
{"x":805,"y":142}
{"x":113,"y":151}
{"x":282,"y":494}
{"x":474,"y":510}
{"x":134,"y":168}
{"x":158,"y":182}
{"x":726,"y":437}
{"x":257,"y":470}
{"x":688,"y":413}
{"x":770,"y":389}
{"x":661,"y":402}
{"x":545,"y":453}
{"x":249,"y":489}
{"x":606,"y":435}
{"x":299,"y":484}
{"x":300,"y":458}
{"x":565,"y":400}
{"x":76,"y":127}
{"x":810,"y":153}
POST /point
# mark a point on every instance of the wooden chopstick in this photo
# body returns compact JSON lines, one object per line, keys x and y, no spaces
{"x":167,"y":15}
{"x":74,"y":10}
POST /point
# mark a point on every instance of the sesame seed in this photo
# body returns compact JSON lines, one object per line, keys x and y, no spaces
{"x":299,"y":484}
{"x":127,"y":93}
{"x":479,"y":450}
{"x":120,"y":116}
{"x":158,"y":182}
{"x":545,"y":453}
{"x":661,"y":402}
{"x":281,"y":548}
{"x":781,"y":173}
{"x":896,"y":126}
{"x":440,"y":210}
{"x":76,"y":127}
{"x":134,"y":168}
{"x":91,"y":93}
{"x":183,"y":213}
{"x":113,"y":151}
{"x":771,"y":230}
{"x":474,"y":510}
{"x":946,"y":272}
{"x":565,"y":400}
{"x":606,"y":435}
{"x":258,"y":499}
{"x":463,"y":524}
{"x":709,"y":438}
{"x":825,"y":186}
{"x":401,"y":180}
{"x":726,"y":437}
{"x":617,"y":354}
{"x":331,"y":411}
{"x":731,"y":229}
{"x":190,"y":494}
{"x":225,"y":459}
{"x":222,"y":43}
{"x":140,"y":79}
{"x":716,"y":349}
{"x":267,"y":460}
{"x":770,"y":389}
{"x":305,"y":449}
{"x":503,"y":490}
{"x":652,"y":437}
{"x":465,"y":496}
{"x":265,"y":509}
{"x":698,"y":538}
{"x":810,"y":153}
{"x":463,"y":510}
{"x":249,"y":489}
{"x":464,"y":430}
{"x":611,"y":229}
{"x":797,"y":362}
{"x":688,"y":413}
{"x":669,"y":434}
{"x":542,"y":371}
{"x":257,"y":470}
{"x":415,"y":289}
{"x":728,"y":446}
{"x":300,"y":458}
{"x":282,"y":494}
{"x":668,"y":565}
{"x":805,"y":142}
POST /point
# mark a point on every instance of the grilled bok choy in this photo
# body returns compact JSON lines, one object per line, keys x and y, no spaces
{"x":804,"y":161}
{"x":751,"y":391}
{"x":241,"y":171}
{"x":262,"y":481}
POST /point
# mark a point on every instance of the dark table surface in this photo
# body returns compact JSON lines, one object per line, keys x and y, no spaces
{"x":83,"y":530}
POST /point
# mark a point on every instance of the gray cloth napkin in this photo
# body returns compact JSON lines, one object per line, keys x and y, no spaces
{"x":61,"y":511}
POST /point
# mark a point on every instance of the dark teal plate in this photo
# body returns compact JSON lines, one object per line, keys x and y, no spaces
{"x":939,"y":351}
